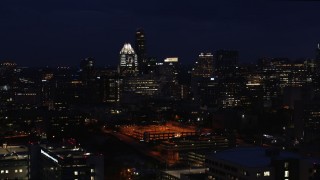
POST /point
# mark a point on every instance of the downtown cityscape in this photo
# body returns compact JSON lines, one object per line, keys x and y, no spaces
{"x":160,"y":119}
{"x":212,"y":91}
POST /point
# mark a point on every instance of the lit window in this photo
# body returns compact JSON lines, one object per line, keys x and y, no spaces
{"x":286,"y":165}
{"x":7,"y":171}
{"x":266,"y":173}
{"x":286,"y":173}
{"x":16,"y":170}
{"x":76,"y":173}
{"x":20,"y":170}
{"x":258,"y":174}
{"x":92,"y":178}
{"x":2,"y":171}
{"x":92,"y":170}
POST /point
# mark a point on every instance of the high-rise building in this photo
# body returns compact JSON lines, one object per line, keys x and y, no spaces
{"x":128,"y":61}
{"x":226,"y":59}
{"x":140,"y":45}
{"x":201,"y":78}
{"x":143,"y":85}
{"x":87,"y":64}
{"x":316,"y":73}
{"x":169,"y":70}
{"x":318,"y":53}
{"x":87,"y":69}
{"x":203,"y":66}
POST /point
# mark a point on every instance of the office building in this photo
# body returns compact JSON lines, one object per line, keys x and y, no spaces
{"x":128,"y":61}
{"x":140,"y":46}
{"x":226,"y":59}
{"x":14,"y":162}
{"x":66,"y":162}
{"x":169,"y":71}
{"x":318,"y":55}
{"x":87,"y":69}
{"x":203,"y":67}
{"x":142,"y":85}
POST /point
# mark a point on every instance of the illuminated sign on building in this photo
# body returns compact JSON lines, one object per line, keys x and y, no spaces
{"x":172,"y":59}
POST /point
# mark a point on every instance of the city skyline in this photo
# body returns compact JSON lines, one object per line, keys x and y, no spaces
{"x":62,"y":33}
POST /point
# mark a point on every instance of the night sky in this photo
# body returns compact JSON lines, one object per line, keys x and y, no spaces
{"x":62,"y":32}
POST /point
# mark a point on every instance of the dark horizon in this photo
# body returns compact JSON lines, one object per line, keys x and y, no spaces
{"x":56,"y":33}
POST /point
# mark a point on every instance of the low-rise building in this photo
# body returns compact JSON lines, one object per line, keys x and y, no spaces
{"x":259,"y":163}
{"x":14,"y":162}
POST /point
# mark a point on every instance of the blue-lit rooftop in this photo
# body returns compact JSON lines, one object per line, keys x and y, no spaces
{"x":251,"y":156}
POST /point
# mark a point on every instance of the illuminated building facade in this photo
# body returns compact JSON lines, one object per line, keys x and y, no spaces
{"x":158,"y":132}
{"x":203,"y":66}
{"x":14,"y":162}
{"x":230,"y":91}
{"x":112,"y":88}
{"x":142,"y":85}
{"x":128,"y":61}
{"x":278,"y":74}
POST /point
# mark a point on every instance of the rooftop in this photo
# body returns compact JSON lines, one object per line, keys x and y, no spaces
{"x":177,"y":173}
{"x":64,"y":154}
{"x":13,"y":152}
{"x":127,"y":49}
{"x":252,"y":156}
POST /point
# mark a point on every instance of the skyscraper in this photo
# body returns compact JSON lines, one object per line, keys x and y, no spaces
{"x":203,"y":66}
{"x":140,"y":45}
{"x":317,"y":60}
{"x":226,"y":59}
{"x":318,"y":52}
{"x":87,"y":69}
{"x":128,"y":61}
{"x":203,"y":86}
